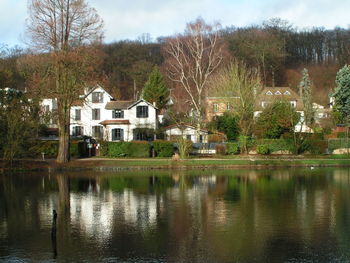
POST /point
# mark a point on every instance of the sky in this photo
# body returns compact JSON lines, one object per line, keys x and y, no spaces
{"x":129,"y":19}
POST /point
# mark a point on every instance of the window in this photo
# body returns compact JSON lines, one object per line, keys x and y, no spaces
{"x":96,"y":114}
{"x":293,"y":103}
{"x":286,"y":93}
{"x":228,"y":106}
{"x":46,"y":108}
{"x":77,"y":115}
{"x":97,"y":97}
{"x":201,"y":138}
{"x":215,"y":107}
{"x":264,"y":104}
{"x":188,"y":137}
{"x":278,"y":92}
{"x":117,"y":134}
{"x":142,"y":111}
{"x":97,"y":132}
{"x":117,"y":114}
{"x":269,"y":93}
{"x":143,"y":134}
{"x":77,"y":131}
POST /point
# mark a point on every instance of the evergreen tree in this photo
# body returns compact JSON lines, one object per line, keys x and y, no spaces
{"x":305,"y":88}
{"x":342,"y":93}
{"x":155,"y":89}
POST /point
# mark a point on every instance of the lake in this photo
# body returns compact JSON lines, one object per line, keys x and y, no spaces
{"x":279,"y":215}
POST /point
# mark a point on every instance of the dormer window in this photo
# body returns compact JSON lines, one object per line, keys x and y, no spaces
{"x":142,"y":111}
{"x":97,"y":97}
{"x":278,"y":92}
{"x":117,"y":114}
{"x":286,"y":93}
{"x":269,"y":93}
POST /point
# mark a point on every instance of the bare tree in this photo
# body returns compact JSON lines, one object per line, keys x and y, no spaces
{"x":191,"y":58}
{"x":238,"y":85}
{"x":65,"y":31}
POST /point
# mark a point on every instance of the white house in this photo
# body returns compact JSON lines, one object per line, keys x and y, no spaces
{"x":98,"y":115}
{"x":187,"y":132}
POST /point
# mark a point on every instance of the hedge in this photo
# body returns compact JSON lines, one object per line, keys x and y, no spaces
{"x":275,"y":145}
{"x":125,"y":149}
{"x":50,"y":148}
{"x":163,"y":148}
{"x":139,"y":149}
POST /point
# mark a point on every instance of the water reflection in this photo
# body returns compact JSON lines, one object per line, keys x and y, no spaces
{"x":195,"y":216}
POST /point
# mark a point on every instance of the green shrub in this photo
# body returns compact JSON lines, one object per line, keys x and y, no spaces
{"x":278,"y":144}
{"x":163,"y":148}
{"x":220,"y":149}
{"x":317,"y":146}
{"x":262,"y":149}
{"x":104,"y":148}
{"x":232,"y":148}
{"x":139,"y":149}
{"x":341,"y":135}
{"x":50,"y":148}
{"x":338,"y":143}
{"x":118,"y":149}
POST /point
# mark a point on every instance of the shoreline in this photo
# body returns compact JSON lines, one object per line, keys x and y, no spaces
{"x":120,"y":164}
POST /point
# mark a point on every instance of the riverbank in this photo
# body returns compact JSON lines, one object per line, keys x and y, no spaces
{"x":112,"y":164}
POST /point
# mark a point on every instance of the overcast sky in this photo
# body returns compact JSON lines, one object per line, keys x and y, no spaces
{"x":128,"y":19}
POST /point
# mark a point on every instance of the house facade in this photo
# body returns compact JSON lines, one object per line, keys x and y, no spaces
{"x":187,"y":132}
{"x":99,"y":115}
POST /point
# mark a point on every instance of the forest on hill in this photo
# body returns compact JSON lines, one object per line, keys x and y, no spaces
{"x":276,"y":47}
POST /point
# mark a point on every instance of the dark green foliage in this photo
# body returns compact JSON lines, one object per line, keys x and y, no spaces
{"x":232,"y":148}
{"x":50,"y":149}
{"x":263,"y":149}
{"x":139,"y":149}
{"x":228,"y":124}
{"x":104,"y":148}
{"x":118,"y":149}
{"x":19,"y":121}
{"x":342,"y":92}
{"x":276,"y":119}
{"x":163,"y":148}
{"x":156,"y":90}
{"x":126,"y":149}
{"x":275,"y":145}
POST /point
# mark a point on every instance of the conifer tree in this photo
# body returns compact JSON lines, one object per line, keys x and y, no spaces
{"x":155,"y":89}
{"x":342,"y":92}
{"x":305,"y":89}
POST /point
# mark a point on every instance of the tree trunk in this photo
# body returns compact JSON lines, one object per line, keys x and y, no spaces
{"x":63,"y":130}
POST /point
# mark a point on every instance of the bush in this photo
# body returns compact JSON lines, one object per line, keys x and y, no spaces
{"x":104,"y":148}
{"x":139,"y":149}
{"x":262,"y":149}
{"x":220,"y":149}
{"x":232,"y":148}
{"x":163,"y":148}
{"x":118,"y":149}
{"x":215,"y":138}
{"x":50,"y":148}
{"x":275,"y":145}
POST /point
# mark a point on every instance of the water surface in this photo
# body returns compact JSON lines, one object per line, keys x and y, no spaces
{"x":285,"y":215}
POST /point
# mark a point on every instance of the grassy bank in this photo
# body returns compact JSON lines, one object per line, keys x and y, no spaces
{"x":167,"y":163}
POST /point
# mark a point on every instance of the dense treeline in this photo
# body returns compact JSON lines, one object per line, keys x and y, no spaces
{"x":276,"y":47}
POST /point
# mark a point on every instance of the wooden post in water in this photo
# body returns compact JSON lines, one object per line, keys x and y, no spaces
{"x":53,"y":233}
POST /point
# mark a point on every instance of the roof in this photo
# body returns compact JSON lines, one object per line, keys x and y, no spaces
{"x":86,"y":93}
{"x":125,"y":104}
{"x":120,"y":105}
{"x":112,"y":122}
{"x":183,"y":126}
{"x":271,"y":94}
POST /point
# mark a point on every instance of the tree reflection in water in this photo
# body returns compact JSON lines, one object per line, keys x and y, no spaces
{"x":187,"y":216}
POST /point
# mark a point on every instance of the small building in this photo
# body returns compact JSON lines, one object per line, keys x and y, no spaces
{"x":188,"y":132}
